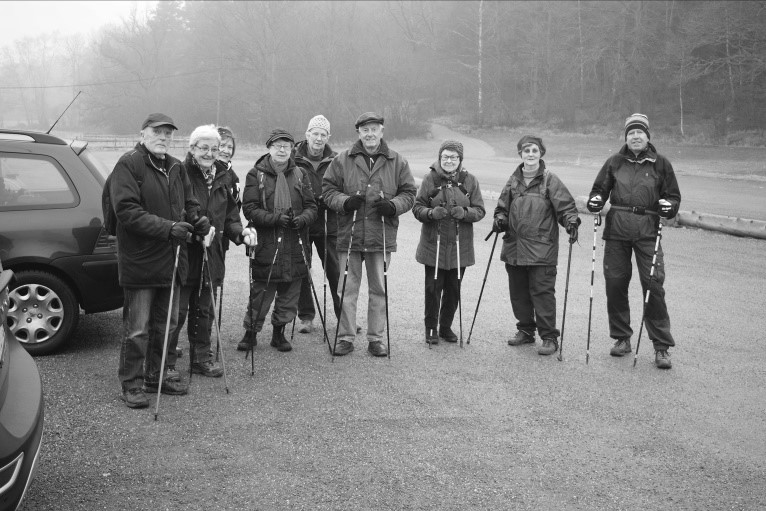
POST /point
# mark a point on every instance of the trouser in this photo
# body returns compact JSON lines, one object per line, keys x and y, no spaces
{"x":306,"y":301}
{"x":444,"y":291}
{"x":618,"y":270}
{"x":376,"y":301}
{"x":285,"y":304}
{"x":201,"y":313}
{"x":144,"y":316}
{"x":533,"y":298}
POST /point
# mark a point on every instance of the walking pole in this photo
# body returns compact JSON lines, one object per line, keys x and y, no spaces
{"x":345,"y":276}
{"x":566,"y":294}
{"x":220,"y":313}
{"x":324,"y":268}
{"x":316,"y":298}
{"x":167,"y":332}
{"x":385,"y":284}
{"x":459,"y":281}
{"x":482,"y":284}
{"x":206,"y":262}
{"x":292,"y":332}
{"x":260,"y":304}
{"x":250,"y":252}
{"x":648,"y":288}
{"x":436,"y":266}
{"x":596,"y":223}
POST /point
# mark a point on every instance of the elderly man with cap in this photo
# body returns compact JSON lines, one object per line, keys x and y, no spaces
{"x":279,"y":203}
{"x":156,"y":211}
{"x":373,"y":184}
{"x":532,"y":205}
{"x":642,"y":188}
{"x":313,"y":156}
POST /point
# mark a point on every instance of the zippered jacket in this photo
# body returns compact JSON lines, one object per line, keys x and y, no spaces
{"x":300,"y":153}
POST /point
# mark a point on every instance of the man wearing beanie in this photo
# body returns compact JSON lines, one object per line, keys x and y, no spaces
{"x":313,"y":156}
{"x":642,"y":188}
{"x":373,"y":184}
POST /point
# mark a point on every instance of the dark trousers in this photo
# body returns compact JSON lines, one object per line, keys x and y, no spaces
{"x":441,"y":296}
{"x":618,"y":270}
{"x":306,"y":301}
{"x":533,"y":298}
{"x":199,"y":309}
{"x":285,"y":298}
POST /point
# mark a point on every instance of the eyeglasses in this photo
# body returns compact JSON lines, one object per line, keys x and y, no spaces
{"x":531,"y":150}
{"x":450,"y":158}
{"x":282,"y":147}
{"x":205,"y":149}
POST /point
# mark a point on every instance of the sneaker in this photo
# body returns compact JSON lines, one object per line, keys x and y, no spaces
{"x":662,"y":359}
{"x":207,"y":369}
{"x":431,"y":337}
{"x":249,"y":340}
{"x":306,"y":326}
{"x":549,"y":347}
{"x":172,"y":374}
{"x":135,"y":398}
{"x":620,"y":348}
{"x":278,"y":340}
{"x":447,"y":334}
{"x":522,"y":337}
{"x":343,"y":348}
{"x":377,"y":349}
{"x":171,"y":388}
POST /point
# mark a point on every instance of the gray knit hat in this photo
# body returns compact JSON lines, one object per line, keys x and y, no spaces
{"x":452,"y":145}
{"x":319,"y":121}
{"x":637,"y":122}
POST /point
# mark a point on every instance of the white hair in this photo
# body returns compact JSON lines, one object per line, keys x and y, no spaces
{"x":204,"y":131}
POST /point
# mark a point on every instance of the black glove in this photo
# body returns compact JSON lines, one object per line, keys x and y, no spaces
{"x":438,"y":213}
{"x":595,"y":204}
{"x":500,"y":224}
{"x":298,"y":223}
{"x":665,"y":208}
{"x":457,"y":212}
{"x":384,"y":207}
{"x":180,"y":230}
{"x":353,"y":203}
{"x":283,"y":221}
{"x":202,"y":226}
{"x":572,"y":231}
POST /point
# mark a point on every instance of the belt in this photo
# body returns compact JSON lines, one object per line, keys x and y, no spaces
{"x":638,"y":210}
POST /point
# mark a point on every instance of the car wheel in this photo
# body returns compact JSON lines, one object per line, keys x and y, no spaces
{"x":43,"y":311}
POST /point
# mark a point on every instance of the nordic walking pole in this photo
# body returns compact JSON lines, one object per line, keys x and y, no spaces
{"x":596,"y":223}
{"x":316,"y":298}
{"x":482,"y":284}
{"x":220,"y":313}
{"x":324,"y":269}
{"x":167,"y":332}
{"x":459,"y":281}
{"x":250,"y":252}
{"x":260,"y":304}
{"x":345,"y":276}
{"x":206,"y":263}
{"x":566,"y":294}
{"x":385,"y":283}
{"x":436,"y":263}
{"x":648,"y":288}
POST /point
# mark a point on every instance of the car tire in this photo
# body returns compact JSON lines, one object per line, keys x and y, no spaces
{"x":43,"y":311}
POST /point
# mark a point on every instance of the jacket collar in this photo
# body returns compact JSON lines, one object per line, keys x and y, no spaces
{"x":263,"y":164}
{"x":150,"y":160}
{"x":358,"y":148}
{"x":519,"y":175}
{"x":648,"y":154}
{"x":301,"y":151}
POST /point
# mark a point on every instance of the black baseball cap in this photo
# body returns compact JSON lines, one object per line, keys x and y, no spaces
{"x":158,"y":119}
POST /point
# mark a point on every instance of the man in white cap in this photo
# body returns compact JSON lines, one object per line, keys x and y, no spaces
{"x":642,"y":188}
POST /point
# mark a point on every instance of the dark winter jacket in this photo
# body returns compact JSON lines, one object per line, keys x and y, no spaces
{"x":147,"y":203}
{"x":235,"y":192}
{"x":348,"y":174}
{"x":438,"y":190}
{"x":300,"y":153}
{"x":258,"y":207}
{"x":219,"y":206}
{"x":532,"y":213}
{"x":629,"y":180}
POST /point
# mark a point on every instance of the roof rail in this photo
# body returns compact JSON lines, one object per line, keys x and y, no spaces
{"x":30,"y":136}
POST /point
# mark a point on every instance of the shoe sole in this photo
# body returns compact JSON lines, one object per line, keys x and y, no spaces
{"x":134,"y":405}
{"x":167,"y":392}
{"x":620,"y":353}
{"x":207,"y":373}
{"x":531,"y":341}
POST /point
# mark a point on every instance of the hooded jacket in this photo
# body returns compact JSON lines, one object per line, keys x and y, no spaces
{"x":258,"y":207}
{"x":300,"y":153}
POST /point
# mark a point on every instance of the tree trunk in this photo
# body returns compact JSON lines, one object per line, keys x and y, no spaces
{"x":479,"y":64}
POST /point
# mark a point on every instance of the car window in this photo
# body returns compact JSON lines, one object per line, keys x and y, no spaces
{"x":33,"y":182}
{"x":94,"y":163}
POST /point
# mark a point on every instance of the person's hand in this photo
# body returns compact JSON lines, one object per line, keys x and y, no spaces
{"x":457,"y":212}
{"x":202,"y":226}
{"x":207,"y":240}
{"x":298,"y":223}
{"x":438,"y":213}
{"x":249,"y":236}
{"x":665,"y":208}
{"x":283,"y":221}
{"x":595,"y":204}
{"x":353,"y":203}
{"x":384,"y":207}
{"x":180,"y":230}
{"x":500,"y":224}
{"x":572,"y":231}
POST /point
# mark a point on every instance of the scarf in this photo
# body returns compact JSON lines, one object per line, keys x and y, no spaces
{"x":282,"y":201}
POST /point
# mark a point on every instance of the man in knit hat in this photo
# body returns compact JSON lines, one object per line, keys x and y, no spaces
{"x":642,"y":188}
{"x":372,"y":184}
{"x":313,"y":156}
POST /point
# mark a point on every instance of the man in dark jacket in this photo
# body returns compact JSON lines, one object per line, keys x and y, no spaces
{"x":152,"y":199}
{"x":642,"y":188}
{"x":313,"y":156}
{"x":376,"y":183}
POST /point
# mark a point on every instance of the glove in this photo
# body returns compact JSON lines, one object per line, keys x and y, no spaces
{"x":457,"y":212}
{"x":207,"y":240}
{"x":283,"y":221}
{"x":202,"y":226}
{"x":384,"y":207}
{"x":438,"y":213}
{"x":572,"y":231}
{"x":180,"y":230}
{"x":353,"y":203}
{"x":249,"y":236}
{"x":298,"y":223}
{"x":500,"y":224}
{"x":595,"y":204}
{"x":666,"y":208}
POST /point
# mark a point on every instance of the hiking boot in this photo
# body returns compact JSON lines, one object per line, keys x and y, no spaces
{"x":620,"y":348}
{"x":377,"y":349}
{"x":343,"y":348}
{"x":431,"y":337}
{"x":549,"y":347}
{"x":447,"y":334}
{"x":135,"y":398}
{"x":278,"y":340}
{"x":662,"y":359}
{"x":207,"y":369}
{"x":171,"y":388}
{"x":522,"y":337}
{"x":172,"y":374}
{"x":306,"y":326}
{"x":247,"y":341}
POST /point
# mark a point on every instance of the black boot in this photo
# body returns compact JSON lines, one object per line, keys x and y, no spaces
{"x":431,"y":337}
{"x":247,"y":341}
{"x":278,"y":338}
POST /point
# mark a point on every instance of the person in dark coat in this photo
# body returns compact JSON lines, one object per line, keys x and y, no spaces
{"x":642,"y":188}
{"x":532,"y":205}
{"x":156,"y":210}
{"x":449,"y":199}
{"x":279,"y":202}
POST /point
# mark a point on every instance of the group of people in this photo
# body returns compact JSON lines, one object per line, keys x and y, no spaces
{"x":175,"y":221}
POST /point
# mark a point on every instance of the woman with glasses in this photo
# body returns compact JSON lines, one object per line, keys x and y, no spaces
{"x":448,"y":203}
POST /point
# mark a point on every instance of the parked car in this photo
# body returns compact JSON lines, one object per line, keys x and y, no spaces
{"x":21,"y":410}
{"x":51,"y":236}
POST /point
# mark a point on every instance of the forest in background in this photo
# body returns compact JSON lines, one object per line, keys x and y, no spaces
{"x":696,"y":68}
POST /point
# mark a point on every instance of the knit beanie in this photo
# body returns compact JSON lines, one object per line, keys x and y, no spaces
{"x":278,"y":133}
{"x":529,"y":139}
{"x":225,"y":133}
{"x":452,"y":145}
{"x":319,"y":121}
{"x":637,"y":122}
